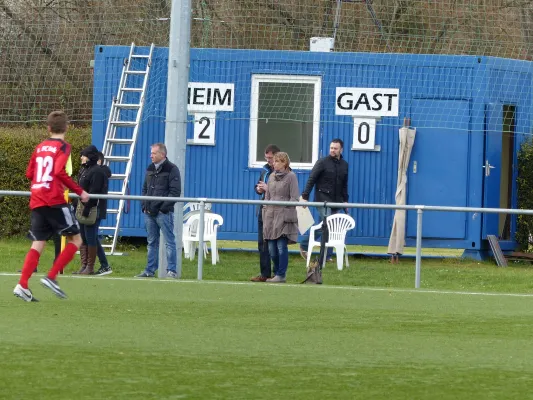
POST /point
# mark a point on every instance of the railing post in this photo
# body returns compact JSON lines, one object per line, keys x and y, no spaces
{"x":419,"y":213}
{"x":201,"y":240}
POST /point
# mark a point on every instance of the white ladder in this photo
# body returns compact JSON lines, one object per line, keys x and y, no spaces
{"x":121,"y":135}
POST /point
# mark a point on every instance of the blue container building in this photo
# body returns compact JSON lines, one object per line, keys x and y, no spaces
{"x":471,"y":115}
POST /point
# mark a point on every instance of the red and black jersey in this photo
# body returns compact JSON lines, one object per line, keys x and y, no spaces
{"x":49,"y":178}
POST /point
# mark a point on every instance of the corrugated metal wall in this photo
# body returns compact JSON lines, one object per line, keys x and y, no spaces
{"x":222,"y":171}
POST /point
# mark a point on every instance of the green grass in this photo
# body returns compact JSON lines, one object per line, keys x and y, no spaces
{"x":365,"y":334}
{"x":444,"y":274}
{"x":156,"y":339}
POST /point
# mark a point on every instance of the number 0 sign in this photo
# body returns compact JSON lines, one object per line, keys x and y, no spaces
{"x":204,"y":129}
{"x":364,"y":134}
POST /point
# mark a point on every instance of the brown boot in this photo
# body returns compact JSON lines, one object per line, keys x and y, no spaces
{"x":83,"y":257}
{"x":91,"y":257}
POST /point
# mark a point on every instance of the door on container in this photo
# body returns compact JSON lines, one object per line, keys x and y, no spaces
{"x":438,"y":171}
{"x":497,"y":168}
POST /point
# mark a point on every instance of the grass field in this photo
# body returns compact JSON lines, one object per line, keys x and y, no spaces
{"x":126,"y":339}
{"x":365,"y":334}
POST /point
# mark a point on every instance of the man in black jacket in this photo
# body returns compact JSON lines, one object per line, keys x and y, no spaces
{"x":329,"y":176}
{"x":162,"y":179}
{"x":260,"y":189}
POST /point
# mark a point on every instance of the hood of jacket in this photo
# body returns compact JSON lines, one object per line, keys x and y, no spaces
{"x":91,"y":152}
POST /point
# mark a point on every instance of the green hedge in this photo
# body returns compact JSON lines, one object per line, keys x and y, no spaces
{"x":16,"y":147}
{"x":525,"y":194}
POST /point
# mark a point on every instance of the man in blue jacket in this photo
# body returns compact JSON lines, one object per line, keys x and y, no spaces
{"x":162,"y":179}
{"x":329,"y":177}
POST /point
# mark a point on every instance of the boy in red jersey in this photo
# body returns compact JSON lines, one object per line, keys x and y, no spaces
{"x":50,"y":213}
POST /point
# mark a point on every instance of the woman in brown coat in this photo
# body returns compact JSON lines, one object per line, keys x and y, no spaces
{"x":280,"y":223}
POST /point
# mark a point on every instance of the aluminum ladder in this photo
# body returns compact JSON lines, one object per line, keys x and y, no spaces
{"x":121,"y":135}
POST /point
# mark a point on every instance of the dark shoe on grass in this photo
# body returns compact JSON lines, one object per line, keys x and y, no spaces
{"x":145,"y":274}
{"x":104,"y":271}
{"x":258,"y":278}
{"x":54,"y":287}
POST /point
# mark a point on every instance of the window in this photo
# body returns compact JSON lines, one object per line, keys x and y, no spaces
{"x":285,"y":111}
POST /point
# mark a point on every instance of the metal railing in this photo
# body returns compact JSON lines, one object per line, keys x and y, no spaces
{"x":420,"y":209}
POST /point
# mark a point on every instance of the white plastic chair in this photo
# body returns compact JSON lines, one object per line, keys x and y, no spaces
{"x":191,"y":236}
{"x":338,"y":225}
{"x":190,"y":209}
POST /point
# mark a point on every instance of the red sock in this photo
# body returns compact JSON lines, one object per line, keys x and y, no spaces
{"x":30,"y":263}
{"x":62,"y":260}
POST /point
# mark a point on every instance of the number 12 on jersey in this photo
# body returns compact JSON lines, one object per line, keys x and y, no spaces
{"x":204,"y":129}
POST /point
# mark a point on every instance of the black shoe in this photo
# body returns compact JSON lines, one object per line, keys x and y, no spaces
{"x":54,"y":287}
{"x":145,"y":275}
{"x":104,"y":271}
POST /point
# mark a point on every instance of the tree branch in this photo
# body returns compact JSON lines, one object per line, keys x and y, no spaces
{"x":38,"y":42}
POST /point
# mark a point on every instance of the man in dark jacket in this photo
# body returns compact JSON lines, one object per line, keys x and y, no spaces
{"x":260,"y":189}
{"x":162,"y":179}
{"x":329,"y":177}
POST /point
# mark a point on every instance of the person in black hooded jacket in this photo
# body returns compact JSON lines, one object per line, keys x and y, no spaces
{"x":93,"y":179}
{"x":105,"y":268}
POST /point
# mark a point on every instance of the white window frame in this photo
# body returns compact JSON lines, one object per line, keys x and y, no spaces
{"x":256,"y":79}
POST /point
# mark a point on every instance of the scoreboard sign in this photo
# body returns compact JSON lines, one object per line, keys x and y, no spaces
{"x":367,"y":102}
{"x":203,"y":101}
{"x":364,"y":134}
{"x":366,"y":106}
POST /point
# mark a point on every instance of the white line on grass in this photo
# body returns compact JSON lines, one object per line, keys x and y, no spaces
{"x":291,"y":285}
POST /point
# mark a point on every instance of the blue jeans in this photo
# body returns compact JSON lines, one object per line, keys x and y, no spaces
{"x":264,"y":253}
{"x":322,"y":212}
{"x":89,"y":233}
{"x":279,"y":254}
{"x":100,"y":252}
{"x":165,"y":223}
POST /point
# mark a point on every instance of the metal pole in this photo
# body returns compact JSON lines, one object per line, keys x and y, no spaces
{"x":201,"y":240}
{"x":419,"y":213}
{"x":337,"y":20}
{"x":176,"y":117}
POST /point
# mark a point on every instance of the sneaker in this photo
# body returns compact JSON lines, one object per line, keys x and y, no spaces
{"x":172,"y":275}
{"x":330,"y":259}
{"x":259,"y":278}
{"x":24,"y":294}
{"x":145,"y":274}
{"x":104,"y":271}
{"x":303,"y":253}
{"x":53,"y":286}
{"x":276,"y":279}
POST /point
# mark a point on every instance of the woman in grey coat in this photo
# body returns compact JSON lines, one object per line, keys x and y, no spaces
{"x":280,"y":223}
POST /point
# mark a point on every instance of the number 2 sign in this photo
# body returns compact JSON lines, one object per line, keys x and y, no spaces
{"x":204,"y":129}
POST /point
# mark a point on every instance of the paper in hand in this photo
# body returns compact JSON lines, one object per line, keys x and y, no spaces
{"x":305,"y":219}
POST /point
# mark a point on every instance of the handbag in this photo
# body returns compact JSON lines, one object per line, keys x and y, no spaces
{"x":314,"y":273}
{"x":90,"y":219}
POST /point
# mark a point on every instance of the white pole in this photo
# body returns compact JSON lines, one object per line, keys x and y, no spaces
{"x":176,"y":121}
